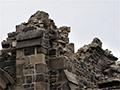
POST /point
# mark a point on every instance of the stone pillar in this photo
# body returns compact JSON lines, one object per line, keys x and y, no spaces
{"x":31,"y":71}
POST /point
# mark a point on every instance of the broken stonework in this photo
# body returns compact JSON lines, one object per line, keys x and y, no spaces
{"x":38,"y":56}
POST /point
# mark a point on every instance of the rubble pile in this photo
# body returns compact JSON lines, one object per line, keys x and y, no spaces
{"x":39,"y":56}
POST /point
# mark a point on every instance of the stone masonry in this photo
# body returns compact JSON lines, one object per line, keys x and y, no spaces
{"x":38,"y":56}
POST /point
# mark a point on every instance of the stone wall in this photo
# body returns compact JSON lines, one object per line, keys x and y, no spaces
{"x":38,"y":56}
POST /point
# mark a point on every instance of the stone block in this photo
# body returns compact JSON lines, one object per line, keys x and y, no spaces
{"x":5,"y":44}
{"x":58,"y":63}
{"x":27,"y":60}
{"x":29,"y":43}
{"x":40,"y":77}
{"x":28,"y":79}
{"x":42,"y":86}
{"x":41,"y":68}
{"x":38,"y":58}
{"x":28,"y":71}
{"x":20,"y":62}
{"x":19,"y":69}
{"x":20,"y":80}
{"x":28,"y":86}
{"x":41,"y":50}
{"x":19,"y":87}
{"x":19,"y":53}
{"x":31,"y":34}
{"x":52,"y":52}
{"x":29,"y":66}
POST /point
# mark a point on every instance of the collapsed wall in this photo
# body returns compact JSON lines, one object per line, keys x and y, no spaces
{"x":38,"y":56}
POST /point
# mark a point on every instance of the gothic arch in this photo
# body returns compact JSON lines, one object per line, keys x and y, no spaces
{"x":6,"y":81}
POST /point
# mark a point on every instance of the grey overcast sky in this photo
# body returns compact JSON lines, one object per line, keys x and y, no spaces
{"x":87,"y":19}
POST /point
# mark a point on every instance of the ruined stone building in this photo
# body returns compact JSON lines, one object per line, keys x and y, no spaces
{"x":38,"y":56}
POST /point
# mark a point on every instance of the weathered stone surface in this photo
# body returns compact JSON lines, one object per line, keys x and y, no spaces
{"x":42,"y":86}
{"x":38,"y":56}
{"x":41,"y":68}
